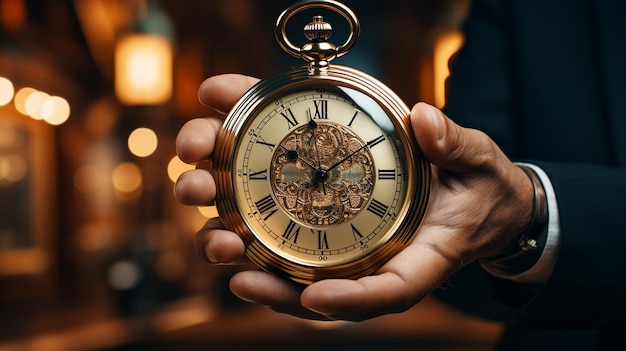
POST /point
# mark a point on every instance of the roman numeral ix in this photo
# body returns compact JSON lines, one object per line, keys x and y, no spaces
{"x":291,"y":232}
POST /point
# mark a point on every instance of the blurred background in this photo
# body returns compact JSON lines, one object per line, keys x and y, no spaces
{"x":95,"y":251}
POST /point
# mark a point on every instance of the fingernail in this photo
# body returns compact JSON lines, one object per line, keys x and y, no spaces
{"x":210,"y":255}
{"x":437,"y":119}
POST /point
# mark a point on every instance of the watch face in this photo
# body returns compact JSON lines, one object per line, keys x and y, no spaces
{"x":323,"y":176}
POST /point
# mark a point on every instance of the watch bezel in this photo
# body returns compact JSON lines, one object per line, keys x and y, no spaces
{"x":298,"y":78}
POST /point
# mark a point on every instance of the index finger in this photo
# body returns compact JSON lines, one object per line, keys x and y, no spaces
{"x":196,"y":139}
{"x":221,"y":92}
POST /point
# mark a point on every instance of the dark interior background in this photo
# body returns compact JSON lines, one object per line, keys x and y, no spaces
{"x":85,"y":266}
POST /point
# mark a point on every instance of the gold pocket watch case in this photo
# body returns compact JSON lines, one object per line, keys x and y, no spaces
{"x":316,"y":166}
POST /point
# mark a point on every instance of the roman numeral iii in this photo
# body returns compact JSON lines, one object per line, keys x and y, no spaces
{"x":378,"y":208}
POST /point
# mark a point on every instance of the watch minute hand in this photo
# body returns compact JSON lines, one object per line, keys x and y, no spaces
{"x":369,"y":143}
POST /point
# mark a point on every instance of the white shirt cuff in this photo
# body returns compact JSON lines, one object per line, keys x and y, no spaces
{"x":541,"y":271}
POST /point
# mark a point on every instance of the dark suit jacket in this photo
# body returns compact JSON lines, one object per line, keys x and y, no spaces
{"x":546,"y":79}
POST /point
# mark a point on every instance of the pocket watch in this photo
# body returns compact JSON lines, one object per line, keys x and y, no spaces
{"x":316,"y":167}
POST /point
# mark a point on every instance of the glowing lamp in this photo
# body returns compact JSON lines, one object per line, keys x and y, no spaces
{"x":143,"y":69}
{"x":446,"y":45}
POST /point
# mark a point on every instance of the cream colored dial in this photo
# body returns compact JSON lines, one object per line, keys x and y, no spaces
{"x":320,"y":176}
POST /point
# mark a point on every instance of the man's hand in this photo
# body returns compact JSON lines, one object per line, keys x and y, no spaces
{"x":480,"y":202}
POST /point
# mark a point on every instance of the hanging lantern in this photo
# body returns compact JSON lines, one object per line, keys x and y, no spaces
{"x":144,"y":61}
{"x":143,"y":69}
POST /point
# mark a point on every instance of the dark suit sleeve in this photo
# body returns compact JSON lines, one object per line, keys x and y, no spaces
{"x":491,"y":89}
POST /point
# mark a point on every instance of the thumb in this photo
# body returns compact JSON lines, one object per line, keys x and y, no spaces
{"x":448,"y":145}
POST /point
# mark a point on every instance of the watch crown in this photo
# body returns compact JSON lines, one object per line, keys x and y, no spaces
{"x":318,"y":51}
{"x":318,"y":30}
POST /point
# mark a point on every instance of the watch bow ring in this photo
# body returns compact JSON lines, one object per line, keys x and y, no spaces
{"x":317,"y":50}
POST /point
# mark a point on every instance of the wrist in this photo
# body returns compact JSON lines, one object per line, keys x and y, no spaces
{"x":524,"y":252}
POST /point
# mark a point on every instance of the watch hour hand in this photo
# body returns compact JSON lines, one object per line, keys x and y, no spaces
{"x":312,"y":123}
{"x":313,"y":126}
{"x":321,"y":174}
{"x":293,"y":155}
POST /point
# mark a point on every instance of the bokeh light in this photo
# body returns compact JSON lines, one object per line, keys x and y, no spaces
{"x":55,"y":110}
{"x":126,"y":177}
{"x":88,"y":179}
{"x":38,"y":105}
{"x":33,"y":104}
{"x":20,"y":99}
{"x":208,"y":211}
{"x":176,"y":167}
{"x":142,"y":142}
{"x":6,"y":91}
{"x":13,"y":168}
{"x":124,"y":275}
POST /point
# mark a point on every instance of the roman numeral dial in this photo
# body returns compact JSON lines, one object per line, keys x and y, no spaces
{"x":320,"y":178}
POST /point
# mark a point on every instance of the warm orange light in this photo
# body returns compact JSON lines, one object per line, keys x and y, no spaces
{"x":445,"y":47}
{"x":55,"y":110}
{"x":208,"y":211}
{"x":176,"y":167}
{"x":88,"y":179}
{"x":127,"y":177}
{"x":143,"y":69}
{"x":13,"y":168}
{"x":41,"y":106}
{"x":142,"y":142}
{"x":6,"y":91}
{"x":13,"y":13}
{"x":34,"y":101}
{"x":20,"y":99}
